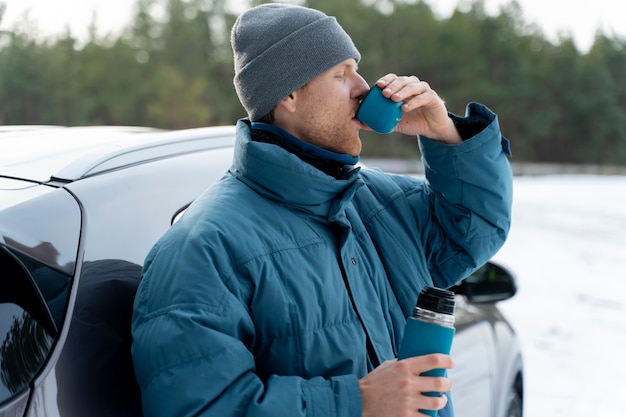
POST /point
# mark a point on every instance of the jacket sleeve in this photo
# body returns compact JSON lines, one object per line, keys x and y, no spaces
{"x":192,"y":348}
{"x":470,"y":196}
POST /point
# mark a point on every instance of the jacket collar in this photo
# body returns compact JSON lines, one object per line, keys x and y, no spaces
{"x":280,"y":175}
{"x":330,"y":162}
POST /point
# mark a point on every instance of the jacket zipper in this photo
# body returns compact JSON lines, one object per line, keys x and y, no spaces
{"x":371,"y":352}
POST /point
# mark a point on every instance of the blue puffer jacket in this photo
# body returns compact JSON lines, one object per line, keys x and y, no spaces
{"x":264,"y":298}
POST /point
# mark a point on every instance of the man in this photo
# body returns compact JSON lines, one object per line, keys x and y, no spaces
{"x":285,"y":288}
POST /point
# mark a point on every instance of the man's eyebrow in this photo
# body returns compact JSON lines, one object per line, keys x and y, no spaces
{"x":350,"y":65}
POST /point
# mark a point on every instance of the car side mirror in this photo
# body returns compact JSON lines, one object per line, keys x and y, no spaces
{"x":488,"y":284}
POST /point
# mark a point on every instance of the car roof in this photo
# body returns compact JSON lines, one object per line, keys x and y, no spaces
{"x":25,"y":128}
{"x":67,"y":154}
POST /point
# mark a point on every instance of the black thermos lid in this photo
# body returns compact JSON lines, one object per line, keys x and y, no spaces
{"x":437,"y":300}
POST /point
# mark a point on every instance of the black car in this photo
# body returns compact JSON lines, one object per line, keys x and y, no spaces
{"x":79,"y":210}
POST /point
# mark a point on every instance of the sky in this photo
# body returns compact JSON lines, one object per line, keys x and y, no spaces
{"x":574,"y":18}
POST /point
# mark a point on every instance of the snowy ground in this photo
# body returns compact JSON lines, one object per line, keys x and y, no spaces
{"x":567,"y":248}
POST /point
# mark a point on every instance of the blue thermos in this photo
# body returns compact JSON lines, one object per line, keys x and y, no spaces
{"x":430,"y":330}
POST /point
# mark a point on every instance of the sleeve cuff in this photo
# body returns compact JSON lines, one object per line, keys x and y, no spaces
{"x":477,"y":118}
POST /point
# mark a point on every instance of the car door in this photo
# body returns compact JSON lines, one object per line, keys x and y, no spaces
{"x":473,"y":352}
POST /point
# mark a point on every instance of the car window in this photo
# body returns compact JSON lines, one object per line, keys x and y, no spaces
{"x":28,"y":325}
{"x":179,"y":213}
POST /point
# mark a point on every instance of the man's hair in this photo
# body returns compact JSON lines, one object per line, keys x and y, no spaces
{"x":268,"y":118}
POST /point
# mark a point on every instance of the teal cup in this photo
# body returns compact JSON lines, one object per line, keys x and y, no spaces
{"x":378,"y":112}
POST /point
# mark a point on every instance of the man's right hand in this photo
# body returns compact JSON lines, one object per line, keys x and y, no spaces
{"x":395,"y":388}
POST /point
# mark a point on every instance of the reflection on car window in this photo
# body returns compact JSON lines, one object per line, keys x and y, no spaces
{"x":53,"y":285}
{"x":33,"y":298}
{"x":24,"y":348}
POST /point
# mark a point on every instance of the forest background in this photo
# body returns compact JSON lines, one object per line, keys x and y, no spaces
{"x":172,"y":68}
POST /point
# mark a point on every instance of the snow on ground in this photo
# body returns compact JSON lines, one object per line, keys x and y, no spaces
{"x":567,"y":248}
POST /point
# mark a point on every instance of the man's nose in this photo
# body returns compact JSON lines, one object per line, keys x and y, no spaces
{"x":361,"y":87}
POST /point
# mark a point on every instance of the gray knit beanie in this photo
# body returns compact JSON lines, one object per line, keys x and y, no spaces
{"x":278,"y":48}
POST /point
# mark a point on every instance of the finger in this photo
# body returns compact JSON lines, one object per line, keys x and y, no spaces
{"x":434,"y":384}
{"x":385,"y":80}
{"x":403,"y":88}
{"x":392,"y":83}
{"x":426,"y":97}
{"x":432,"y":403}
{"x":407,"y":90}
{"x":423,"y":363}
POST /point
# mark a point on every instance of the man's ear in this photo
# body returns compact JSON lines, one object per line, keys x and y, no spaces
{"x":289,"y":103}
